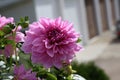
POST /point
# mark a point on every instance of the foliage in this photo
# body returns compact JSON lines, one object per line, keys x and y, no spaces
{"x":89,"y":71}
{"x":15,"y":64}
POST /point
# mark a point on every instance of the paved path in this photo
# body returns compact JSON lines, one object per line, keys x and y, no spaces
{"x":105,"y":51}
{"x":109,"y":60}
{"x":95,"y":48}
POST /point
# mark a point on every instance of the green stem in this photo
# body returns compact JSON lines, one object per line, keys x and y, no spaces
{"x":4,"y":58}
{"x":69,"y":72}
{"x":10,"y":63}
{"x":69,"y":77}
{"x":14,"y":36}
{"x":15,"y":51}
{"x":48,"y":69}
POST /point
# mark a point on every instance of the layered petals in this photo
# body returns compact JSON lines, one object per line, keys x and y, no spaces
{"x":8,"y":49}
{"x":4,"y":21}
{"x":51,"y":42}
{"x":20,"y":73}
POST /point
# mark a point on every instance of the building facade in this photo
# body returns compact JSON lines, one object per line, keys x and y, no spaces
{"x":91,"y":18}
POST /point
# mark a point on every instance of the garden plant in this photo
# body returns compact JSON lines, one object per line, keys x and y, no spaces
{"x":42,"y":50}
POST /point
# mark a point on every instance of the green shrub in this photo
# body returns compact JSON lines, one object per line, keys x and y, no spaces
{"x":89,"y":71}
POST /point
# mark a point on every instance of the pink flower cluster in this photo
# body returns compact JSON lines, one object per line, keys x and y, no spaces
{"x":8,"y":51}
{"x":4,"y":21}
{"x":51,"y":42}
{"x":20,"y":73}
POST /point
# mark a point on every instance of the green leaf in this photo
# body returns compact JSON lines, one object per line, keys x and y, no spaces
{"x":2,"y":46}
{"x":26,"y":18}
{"x":10,"y":42}
{"x":9,"y":61}
{"x":79,"y":40}
{"x":24,"y":22}
{"x":6,"y":29}
{"x":69,"y":77}
{"x":41,"y":71}
{"x":51,"y":77}
{"x":24,"y":58}
{"x":12,"y":26}
{"x":2,"y":33}
{"x":24,"y":25}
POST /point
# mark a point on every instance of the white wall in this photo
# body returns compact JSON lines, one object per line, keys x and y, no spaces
{"x":71,"y":13}
{"x":47,"y":8}
{"x":21,"y":9}
{"x":74,"y":11}
{"x":71,"y":10}
{"x":109,"y":13}
{"x":117,"y":9}
{"x":83,"y":22}
{"x":98,"y":16}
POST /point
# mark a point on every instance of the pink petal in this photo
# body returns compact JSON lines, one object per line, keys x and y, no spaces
{"x":50,"y":52}
{"x":58,"y":21}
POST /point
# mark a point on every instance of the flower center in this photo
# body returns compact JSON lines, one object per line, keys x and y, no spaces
{"x":55,"y":36}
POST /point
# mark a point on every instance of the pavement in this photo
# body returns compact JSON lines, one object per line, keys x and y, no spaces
{"x":104,"y":50}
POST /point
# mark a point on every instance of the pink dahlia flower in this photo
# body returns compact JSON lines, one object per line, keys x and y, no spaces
{"x":19,"y":37}
{"x":20,"y":73}
{"x":4,"y":21}
{"x":8,"y":51}
{"x":52,"y":42}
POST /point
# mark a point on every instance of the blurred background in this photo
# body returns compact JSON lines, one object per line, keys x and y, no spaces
{"x":96,"y":20}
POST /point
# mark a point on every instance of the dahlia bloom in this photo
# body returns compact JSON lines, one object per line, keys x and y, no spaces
{"x":19,"y":35}
{"x":20,"y":73}
{"x":4,"y":21}
{"x":51,"y":42}
{"x":8,"y":51}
